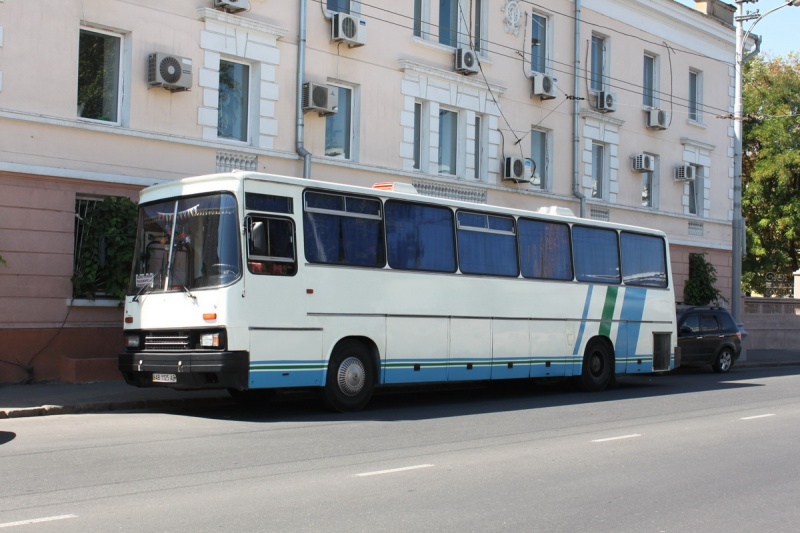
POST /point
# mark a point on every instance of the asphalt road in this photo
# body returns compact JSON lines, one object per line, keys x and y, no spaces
{"x":689,"y":451}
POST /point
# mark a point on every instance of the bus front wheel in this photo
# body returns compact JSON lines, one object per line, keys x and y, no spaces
{"x":598,"y":367}
{"x":351,"y":378}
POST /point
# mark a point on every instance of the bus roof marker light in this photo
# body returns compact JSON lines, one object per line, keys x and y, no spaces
{"x":396,"y":186}
{"x":209,"y":316}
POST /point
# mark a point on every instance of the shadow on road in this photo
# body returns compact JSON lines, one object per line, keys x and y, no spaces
{"x":422,"y":402}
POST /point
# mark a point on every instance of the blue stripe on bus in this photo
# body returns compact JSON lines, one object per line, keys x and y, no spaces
{"x":583,"y":319}
{"x":630,"y":326}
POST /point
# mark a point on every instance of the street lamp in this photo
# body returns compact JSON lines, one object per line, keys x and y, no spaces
{"x":737,"y":240}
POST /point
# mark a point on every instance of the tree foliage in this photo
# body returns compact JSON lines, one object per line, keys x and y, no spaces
{"x":771,"y":169}
{"x":699,"y":288}
{"x":106,"y":255}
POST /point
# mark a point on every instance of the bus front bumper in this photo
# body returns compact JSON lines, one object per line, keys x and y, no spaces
{"x":186,"y":370}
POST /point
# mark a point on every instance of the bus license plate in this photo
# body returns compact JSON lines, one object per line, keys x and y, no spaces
{"x":165,"y":378}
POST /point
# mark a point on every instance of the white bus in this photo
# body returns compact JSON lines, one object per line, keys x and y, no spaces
{"x":247,"y":281}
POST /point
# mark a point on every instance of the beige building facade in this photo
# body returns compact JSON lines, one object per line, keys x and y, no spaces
{"x":616,"y":109}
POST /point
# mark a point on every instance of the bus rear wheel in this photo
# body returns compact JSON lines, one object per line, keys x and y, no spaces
{"x":351,"y":378}
{"x":598,"y":367}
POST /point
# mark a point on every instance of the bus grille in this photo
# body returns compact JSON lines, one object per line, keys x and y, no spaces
{"x":177,"y":340}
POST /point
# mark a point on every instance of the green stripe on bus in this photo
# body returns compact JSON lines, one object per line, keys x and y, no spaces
{"x":608,"y":311}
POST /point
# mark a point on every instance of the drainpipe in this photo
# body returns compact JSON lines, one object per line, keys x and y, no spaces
{"x":576,"y":111}
{"x":301,"y":68}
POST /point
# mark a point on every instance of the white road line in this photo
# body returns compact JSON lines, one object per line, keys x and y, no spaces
{"x":38,"y":520}
{"x":392,"y":471}
{"x":757,"y":416}
{"x":618,"y":438}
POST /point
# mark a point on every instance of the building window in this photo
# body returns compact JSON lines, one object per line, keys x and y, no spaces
{"x":448,"y":141}
{"x":418,"y":18}
{"x":478,"y":147}
{"x":696,"y":192}
{"x":540,"y":159}
{"x":538,"y":43}
{"x":647,"y":189}
{"x":649,"y":81}
{"x":477,"y":25}
{"x":598,"y":62}
{"x":598,"y":171}
{"x":234,"y":96}
{"x":448,"y":22}
{"x":99,"y":74}
{"x":340,"y":6}
{"x":339,"y":127}
{"x":417,"y":135}
{"x":695,"y":96}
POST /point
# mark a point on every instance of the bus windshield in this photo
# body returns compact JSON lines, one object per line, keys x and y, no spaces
{"x":188,"y":243}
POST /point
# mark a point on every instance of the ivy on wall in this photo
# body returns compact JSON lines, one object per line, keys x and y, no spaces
{"x":103,"y":262}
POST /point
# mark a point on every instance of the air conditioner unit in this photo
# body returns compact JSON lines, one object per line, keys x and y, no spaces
{"x":544,"y":86}
{"x":170,"y":72}
{"x":644,"y":163}
{"x":518,"y":169}
{"x":685,"y":172}
{"x":657,"y":119}
{"x":349,"y":29}
{"x":466,"y":61}
{"x":232,"y":6}
{"x":606,"y":101}
{"x":323,"y":99}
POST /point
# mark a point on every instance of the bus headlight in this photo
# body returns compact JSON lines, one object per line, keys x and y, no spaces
{"x":132,"y":341}
{"x":209,"y":340}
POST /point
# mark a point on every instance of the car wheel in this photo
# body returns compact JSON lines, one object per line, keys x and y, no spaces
{"x":724,"y":361}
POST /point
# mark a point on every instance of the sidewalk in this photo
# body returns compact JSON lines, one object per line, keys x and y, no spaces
{"x":66,"y":398}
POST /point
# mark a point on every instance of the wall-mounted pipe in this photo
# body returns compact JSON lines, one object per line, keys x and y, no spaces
{"x":301,"y":68}
{"x":576,"y":111}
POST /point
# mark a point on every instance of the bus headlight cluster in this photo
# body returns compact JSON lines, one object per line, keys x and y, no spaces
{"x":209,"y":340}
{"x":132,"y":341}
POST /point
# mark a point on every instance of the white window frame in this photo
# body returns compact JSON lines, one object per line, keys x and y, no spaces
{"x":353,"y":8}
{"x":547,"y":44}
{"x":354,"y":119}
{"x":479,"y":139}
{"x":696,"y":192}
{"x":251,"y":93}
{"x":653,"y":177}
{"x":604,"y":63}
{"x":695,"y":99}
{"x":654,"y":81}
{"x":122,"y":87}
{"x":457,"y":143}
{"x":600,"y":172}
{"x":427,"y":23}
{"x":542,"y":167}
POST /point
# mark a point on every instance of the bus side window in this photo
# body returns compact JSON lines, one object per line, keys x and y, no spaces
{"x":270,"y":246}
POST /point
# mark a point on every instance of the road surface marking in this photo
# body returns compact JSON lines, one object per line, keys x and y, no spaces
{"x":757,"y":416}
{"x":38,"y":520}
{"x":618,"y":438}
{"x":392,"y":471}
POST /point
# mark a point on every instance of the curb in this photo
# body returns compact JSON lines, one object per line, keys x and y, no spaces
{"x":103,"y":407}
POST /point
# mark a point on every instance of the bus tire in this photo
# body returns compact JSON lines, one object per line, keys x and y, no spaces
{"x":351,"y":378}
{"x":598,"y":367}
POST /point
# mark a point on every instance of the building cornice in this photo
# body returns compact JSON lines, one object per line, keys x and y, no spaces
{"x":477,"y":83}
{"x":206,"y":14}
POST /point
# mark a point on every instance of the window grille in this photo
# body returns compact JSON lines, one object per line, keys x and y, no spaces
{"x":451,"y":192}
{"x":228,"y":161}
{"x":599,"y":213}
{"x":696,"y":229}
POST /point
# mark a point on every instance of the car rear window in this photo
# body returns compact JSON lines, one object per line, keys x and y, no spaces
{"x":726,"y":321}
